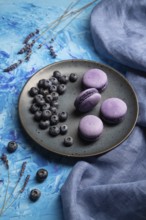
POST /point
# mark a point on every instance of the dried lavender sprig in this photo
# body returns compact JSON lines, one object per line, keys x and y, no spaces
{"x":23,"y":167}
{"x":28,"y":37}
{"x":26,"y":48}
{"x":3,"y":206}
{"x":22,"y":189}
{"x":19,"y":193}
{"x":64,"y":16}
{"x":53,"y":23}
{"x":13,"y":66}
{"x":5,"y":160}
{"x":25,"y":184}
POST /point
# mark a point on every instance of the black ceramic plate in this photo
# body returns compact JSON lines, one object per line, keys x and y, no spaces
{"x":112,"y":135}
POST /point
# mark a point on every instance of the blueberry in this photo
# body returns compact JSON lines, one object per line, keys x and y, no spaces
{"x":39,"y":96}
{"x":44,"y":124}
{"x":12,"y":146}
{"x":47,"y":84}
{"x":56,"y":74}
{"x":46,"y":106}
{"x":53,"y":110}
{"x":33,"y":91}
{"x":54,"y":95}
{"x":48,"y":98}
{"x":68,"y":141}
{"x":63,"y":129}
{"x":43,"y":92}
{"x":55,"y":104}
{"x":53,"y":88}
{"x":39,"y":100}
{"x":73,"y":77}
{"x":54,"y":120}
{"x":34,"y":195}
{"x":63,"y":116}
{"x":41,"y":175}
{"x":46,"y":114}
{"x":34,"y":107}
{"x":54,"y":80}
{"x":61,"y":88}
{"x":38,"y":115}
{"x":54,"y":130}
{"x":63,"y":79}
{"x":41,"y":83}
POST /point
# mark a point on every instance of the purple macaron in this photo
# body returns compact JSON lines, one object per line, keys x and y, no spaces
{"x":87,"y":100}
{"x":90,"y":128}
{"x":113,"y":110}
{"x":95,"y":78}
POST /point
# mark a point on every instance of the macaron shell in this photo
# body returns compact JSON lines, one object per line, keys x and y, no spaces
{"x":113,"y":109}
{"x":95,"y":78}
{"x":90,"y":127}
{"x":90,"y":103}
{"x":87,"y":100}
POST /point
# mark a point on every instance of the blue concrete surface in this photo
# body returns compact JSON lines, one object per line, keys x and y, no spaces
{"x":18,"y":19}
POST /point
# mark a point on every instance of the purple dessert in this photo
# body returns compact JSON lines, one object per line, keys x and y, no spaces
{"x":87,"y":100}
{"x":113,"y":110}
{"x":90,"y":128}
{"x":95,"y":78}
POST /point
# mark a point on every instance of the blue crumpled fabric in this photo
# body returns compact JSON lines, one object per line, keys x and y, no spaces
{"x":119,"y":32}
{"x":113,"y":187}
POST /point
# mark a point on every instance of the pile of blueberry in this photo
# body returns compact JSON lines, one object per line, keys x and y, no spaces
{"x":45,"y":104}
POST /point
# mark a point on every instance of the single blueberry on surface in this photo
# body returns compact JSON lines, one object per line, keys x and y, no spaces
{"x":54,"y":130}
{"x":63,"y":116}
{"x":54,"y":80}
{"x":44,"y":124}
{"x":12,"y":146}
{"x":34,"y":195}
{"x":61,"y":88}
{"x":54,"y":120}
{"x":46,"y":114}
{"x":73,"y":77}
{"x":47,"y":84}
{"x":63,"y":129}
{"x":41,"y":175}
{"x":43,"y":92}
{"x":33,"y":91}
{"x":41,"y":83}
{"x":38,"y":115}
{"x":56,"y":74}
{"x":53,"y":110}
{"x":48,"y":98}
{"x":53,"y":88}
{"x":68,"y":141}
{"x":63,"y":79}
{"x":34,"y":107}
{"x":54,"y":95}
{"x":46,"y":106}
{"x":39,"y":100}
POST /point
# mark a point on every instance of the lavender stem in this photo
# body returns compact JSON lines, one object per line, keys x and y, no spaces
{"x":4,"y":202}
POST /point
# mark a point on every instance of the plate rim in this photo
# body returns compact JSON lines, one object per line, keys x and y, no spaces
{"x":80,"y":155}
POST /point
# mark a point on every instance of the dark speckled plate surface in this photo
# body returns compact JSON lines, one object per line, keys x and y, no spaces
{"x":112,"y":135}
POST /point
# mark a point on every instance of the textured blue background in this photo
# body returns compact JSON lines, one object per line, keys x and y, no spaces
{"x":18,"y":19}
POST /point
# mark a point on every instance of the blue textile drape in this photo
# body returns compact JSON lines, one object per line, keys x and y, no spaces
{"x":114,"y":186}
